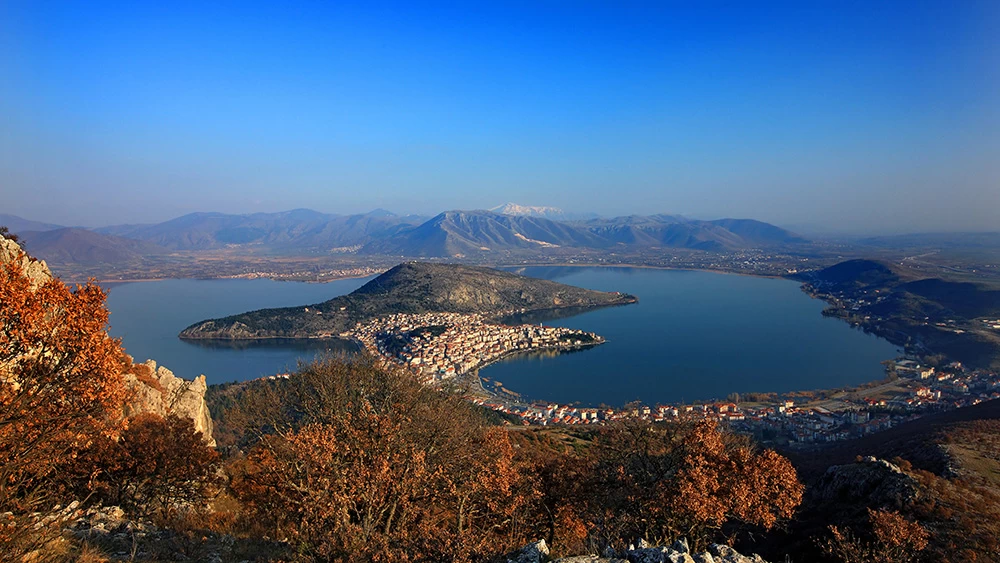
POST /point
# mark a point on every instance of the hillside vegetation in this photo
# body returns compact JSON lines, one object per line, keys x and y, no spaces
{"x":944,"y":475}
{"x":929,"y":316}
{"x":412,"y":287}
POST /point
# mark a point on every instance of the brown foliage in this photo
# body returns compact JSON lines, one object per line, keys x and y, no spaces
{"x":355,"y":463}
{"x":365,"y":464}
{"x":157,"y":464}
{"x":891,"y":539}
{"x":60,"y":381}
{"x":663,"y":482}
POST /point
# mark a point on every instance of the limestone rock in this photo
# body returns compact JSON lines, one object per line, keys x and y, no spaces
{"x":681,"y":545}
{"x":157,"y":390}
{"x":873,"y":481}
{"x":650,"y":554}
{"x":536,"y":552}
{"x":36,"y":270}
{"x":725,"y":554}
{"x":679,"y":552}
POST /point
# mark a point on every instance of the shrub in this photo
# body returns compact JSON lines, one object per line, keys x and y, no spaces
{"x":60,"y":384}
{"x":663,"y":482}
{"x":157,"y":465}
{"x":891,"y":539}
{"x":358,"y":463}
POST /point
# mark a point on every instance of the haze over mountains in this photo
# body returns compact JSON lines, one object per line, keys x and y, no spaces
{"x":449,"y":234}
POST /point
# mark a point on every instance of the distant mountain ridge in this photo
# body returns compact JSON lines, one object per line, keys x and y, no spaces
{"x":455,"y":233}
{"x":411,"y":287}
{"x":450,"y":234}
{"x":545,"y":212}
{"x":18,"y":224}
{"x":463,"y":233}
{"x":71,"y":245}
{"x":298,"y":228}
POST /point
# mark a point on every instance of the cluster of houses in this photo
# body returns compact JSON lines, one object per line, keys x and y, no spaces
{"x":992,"y":323}
{"x":921,"y":390}
{"x":439,"y":346}
{"x":325,"y":275}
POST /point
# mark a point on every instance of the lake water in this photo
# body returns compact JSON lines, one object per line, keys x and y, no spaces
{"x":147,"y":316}
{"x":693,"y":335}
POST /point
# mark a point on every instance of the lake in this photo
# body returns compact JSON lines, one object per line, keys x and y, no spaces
{"x":147,"y":316}
{"x":692,"y":336}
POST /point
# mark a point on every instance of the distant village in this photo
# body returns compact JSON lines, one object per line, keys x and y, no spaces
{"x":318,"y":276}
{"x":914,"y":390}
{"x":438,"y":347}
{"x":442,"y":346}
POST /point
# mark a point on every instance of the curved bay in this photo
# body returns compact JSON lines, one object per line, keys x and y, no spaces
{"x":693,"y":335}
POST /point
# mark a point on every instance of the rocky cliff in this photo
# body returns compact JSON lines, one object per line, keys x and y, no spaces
{"x":868,"y":482}
{"x":157,"y":390}
{"x":154,"y":389}
{"x":36,"y":270}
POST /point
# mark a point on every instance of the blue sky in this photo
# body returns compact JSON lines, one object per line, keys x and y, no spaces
{"x":826,"y":116}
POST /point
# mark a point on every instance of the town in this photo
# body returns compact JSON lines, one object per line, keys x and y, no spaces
{"x":909,"y":391}
{"x":441,"y":346}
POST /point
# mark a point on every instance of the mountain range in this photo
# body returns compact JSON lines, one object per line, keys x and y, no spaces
{"x":72,"y":245}
{"x":449,"y":234}
{"x":295,"y":229}
{"x":544,"y":212}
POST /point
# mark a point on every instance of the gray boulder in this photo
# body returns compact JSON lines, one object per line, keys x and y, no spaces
{"x":872,"y":481}
{"x":536,"y":552}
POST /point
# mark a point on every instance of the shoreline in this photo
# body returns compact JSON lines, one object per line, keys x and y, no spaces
{"x":647,"y":267}
{"x":147,"y":280}
{"x":498,"y":266}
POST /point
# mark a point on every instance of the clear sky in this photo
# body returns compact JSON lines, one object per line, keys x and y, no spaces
{"x":840,"y":116}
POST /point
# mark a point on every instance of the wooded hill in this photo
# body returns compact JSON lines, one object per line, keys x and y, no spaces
{"x":412,"y":287}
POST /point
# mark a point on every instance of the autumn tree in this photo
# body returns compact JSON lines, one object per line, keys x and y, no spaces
{"x":890,"y":539}
{"x":156,"y":465}
{"x":564,"y":482}
{"x":667,"y":481}
{"x":356,"y":462}
{"x":60,"y":379}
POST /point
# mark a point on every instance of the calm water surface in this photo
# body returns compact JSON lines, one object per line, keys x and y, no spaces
{"x":148,"y":316}
{"x":693,"y":335}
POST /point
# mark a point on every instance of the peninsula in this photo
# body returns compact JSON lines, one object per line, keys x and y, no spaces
{"x":411,"y":288}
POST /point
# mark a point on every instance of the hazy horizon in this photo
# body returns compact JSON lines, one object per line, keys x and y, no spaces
{"x":825,"y":117}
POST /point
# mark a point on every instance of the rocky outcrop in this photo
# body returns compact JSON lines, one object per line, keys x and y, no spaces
{"x":870,"y":481}
{"x":531,"y":553}
{"x":36,"y":270}
{"x":679,"y":552}
{"x":157,"y":390}
{"x":154,"y":389}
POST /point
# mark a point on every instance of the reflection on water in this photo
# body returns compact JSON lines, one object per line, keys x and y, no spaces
{"x":334,"y":345}
{"x":148,"y":316}
{"x":545,"y":315}
{"x":544,"y":354}
{"x":691,"y":336}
